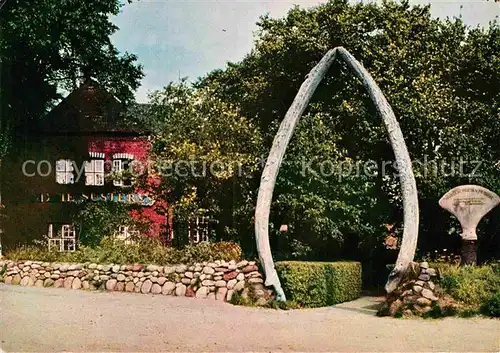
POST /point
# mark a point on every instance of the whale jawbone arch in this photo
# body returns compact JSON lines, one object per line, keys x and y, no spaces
{"x":280,"y":143}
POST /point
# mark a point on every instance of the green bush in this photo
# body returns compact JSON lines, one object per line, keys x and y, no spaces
{"x":491,"y":307}
{"x":471,"y":285}
{"x":232,"y":250}
{"x":315,"y":284}
{"x":143,"y":250}
{"x":97,"y":220}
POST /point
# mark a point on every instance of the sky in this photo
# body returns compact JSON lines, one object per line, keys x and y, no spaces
{"x":184,"y":38}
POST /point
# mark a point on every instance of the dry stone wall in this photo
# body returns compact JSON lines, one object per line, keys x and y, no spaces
{"x":217,"y":280}
{"x":414,"y":296}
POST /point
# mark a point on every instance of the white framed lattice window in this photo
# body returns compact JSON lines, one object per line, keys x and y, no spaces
{"x":118,"y":168}
{"x":64,"y":171}
{"x":94,"y":172}
{"x":121,"y":163}
{"x":68,"y":231}
{"x":198,"y":229}
{"x":62,"y":237}
{"x":126,"y":233}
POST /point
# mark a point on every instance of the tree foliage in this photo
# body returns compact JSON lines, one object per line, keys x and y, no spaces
{"x":206,"y":153}
{"x":97,"y":220}
{"x":442,"y":79}
{"x":47,"y":46}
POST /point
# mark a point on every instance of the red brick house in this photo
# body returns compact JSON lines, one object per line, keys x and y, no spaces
{"x":80,"y":152}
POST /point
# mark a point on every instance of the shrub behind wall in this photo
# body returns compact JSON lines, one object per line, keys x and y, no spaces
{"x":315,"y":284}
{"x":143,"y":250}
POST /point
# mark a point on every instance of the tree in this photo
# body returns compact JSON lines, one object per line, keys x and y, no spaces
{"x":442,"y":81}
{"x":440,"y":77}
{"x":45,"y":48}
{"x":96,"y":220}
{"x":204,"y":153}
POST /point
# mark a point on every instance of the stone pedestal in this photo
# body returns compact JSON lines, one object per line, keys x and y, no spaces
{"x":468,"y":252}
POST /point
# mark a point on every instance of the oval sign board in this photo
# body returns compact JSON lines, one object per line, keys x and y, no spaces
{"x":469,"y":203}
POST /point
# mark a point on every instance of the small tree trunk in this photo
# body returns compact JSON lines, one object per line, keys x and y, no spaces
{"x":469,"y":252}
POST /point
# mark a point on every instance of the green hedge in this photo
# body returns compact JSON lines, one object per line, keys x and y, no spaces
{"x":315,"y":284}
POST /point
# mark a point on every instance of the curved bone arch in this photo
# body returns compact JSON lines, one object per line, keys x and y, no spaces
{"x":280,"y":143}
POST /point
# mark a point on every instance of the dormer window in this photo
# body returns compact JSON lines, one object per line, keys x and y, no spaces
{"x":64,"y":172}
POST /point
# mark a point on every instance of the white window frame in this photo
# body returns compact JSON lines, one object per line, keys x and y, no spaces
{"x":200,"y":233}
{"x":64,"y":172}
{"x":69,"y":245}
{"x":68,"y":231}
{"x":94,"y":172}
{"x":125,"y":233}
{"x":118,"y":166}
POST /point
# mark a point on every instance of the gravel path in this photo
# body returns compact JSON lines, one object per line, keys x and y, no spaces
{"x":43,"y":320}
